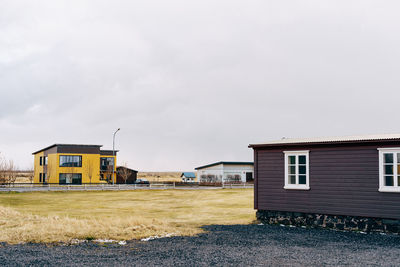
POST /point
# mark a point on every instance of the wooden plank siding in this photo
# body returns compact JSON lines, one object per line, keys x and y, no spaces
{"x":344,"y":180}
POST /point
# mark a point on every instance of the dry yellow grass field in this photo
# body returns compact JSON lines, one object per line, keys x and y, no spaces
{"x":22,"y":177}
{"x":161,"y":176}
{"x":125,"y":215}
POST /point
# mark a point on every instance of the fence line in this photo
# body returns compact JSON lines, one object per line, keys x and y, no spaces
{"x":117,"y":187}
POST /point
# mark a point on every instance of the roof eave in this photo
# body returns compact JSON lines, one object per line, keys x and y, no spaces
{"x":46,"y":148}
{"x":323,"y":143}
{"x":224,"y":162}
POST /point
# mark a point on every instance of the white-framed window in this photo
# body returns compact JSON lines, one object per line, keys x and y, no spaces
{"x":389,"y":169}
{"x":297,"y":170}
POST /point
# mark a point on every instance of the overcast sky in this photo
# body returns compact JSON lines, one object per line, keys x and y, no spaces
{"x":193,"y":82}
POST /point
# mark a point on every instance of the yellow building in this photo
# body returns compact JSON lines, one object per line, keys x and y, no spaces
{"x":74,"y":164}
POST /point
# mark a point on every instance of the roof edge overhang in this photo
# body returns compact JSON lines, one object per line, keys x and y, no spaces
{"x":46,"y":148}
{"x":128,"y":169}
{"x":225,"y":163}
{"x":322,"y":143}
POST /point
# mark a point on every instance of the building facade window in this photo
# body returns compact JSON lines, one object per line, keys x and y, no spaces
{"x":232,"y":177}
{"x":70,"y":161}
{"x":297,"y":170}
{"x":70,"y":178}
{"x":46,"y":160}
{"x":41,"y":161}
{"x":106,"y":164}
{"x":249,"y":177}
{"x":40,"y":177}
{"x":389,"y":169}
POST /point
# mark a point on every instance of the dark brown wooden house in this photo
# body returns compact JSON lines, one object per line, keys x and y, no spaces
{"x":129,"y":174}
{"x":347,"y":183}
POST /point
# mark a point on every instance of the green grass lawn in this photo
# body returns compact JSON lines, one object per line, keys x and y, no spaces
{"x":62,"y":216}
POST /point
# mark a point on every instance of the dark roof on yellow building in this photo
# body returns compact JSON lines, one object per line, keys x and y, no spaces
{"x":75,"y":146}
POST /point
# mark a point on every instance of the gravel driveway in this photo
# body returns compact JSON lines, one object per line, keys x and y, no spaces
{"x":237,"y":245}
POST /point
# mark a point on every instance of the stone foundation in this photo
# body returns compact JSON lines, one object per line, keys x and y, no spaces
{"x":348,"y":223}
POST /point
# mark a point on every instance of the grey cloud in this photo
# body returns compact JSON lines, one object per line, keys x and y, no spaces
{"x":193,"y":82}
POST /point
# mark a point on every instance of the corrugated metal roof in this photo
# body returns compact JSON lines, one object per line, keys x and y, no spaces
{"x":332,"y":139}
{"x":188,"y":174}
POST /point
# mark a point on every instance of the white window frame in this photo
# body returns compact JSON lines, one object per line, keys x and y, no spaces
{"x":396,"y":187}
{"x":297,"y":186}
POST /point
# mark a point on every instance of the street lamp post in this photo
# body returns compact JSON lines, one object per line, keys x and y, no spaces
{"x":114,"y":154}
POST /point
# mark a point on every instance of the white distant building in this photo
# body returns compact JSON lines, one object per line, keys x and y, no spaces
{"x":188,"y":177}
{"x":226,"y":171}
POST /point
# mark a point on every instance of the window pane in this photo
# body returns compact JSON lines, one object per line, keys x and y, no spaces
{"x":292,"y":179}
{"x":388,"y":169}
{"x":388,"y":180}
{"x":302,"y":169}
{"x":292,"y":159}
{"x":62,"y":178}
{"x":70,"y":161}
{"x":388,"y":158}
{"x":302,"y":159}
{"x":70,"y":178}
{"x":302,"y":179}
{"x":292,"y":169}
{"x":106,"y":164}
{"x":77,"y":178}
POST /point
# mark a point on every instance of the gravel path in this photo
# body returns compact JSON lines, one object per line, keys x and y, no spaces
{"x":237,"y":245}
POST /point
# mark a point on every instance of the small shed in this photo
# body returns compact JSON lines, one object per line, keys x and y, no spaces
{"x":226,"y":172}
{"x":125,"y":173}
{"x":346,"y":183}
{"x":188,"y":177}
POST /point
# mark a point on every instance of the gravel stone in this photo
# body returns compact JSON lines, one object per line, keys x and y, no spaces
{"x":234,"y":245}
